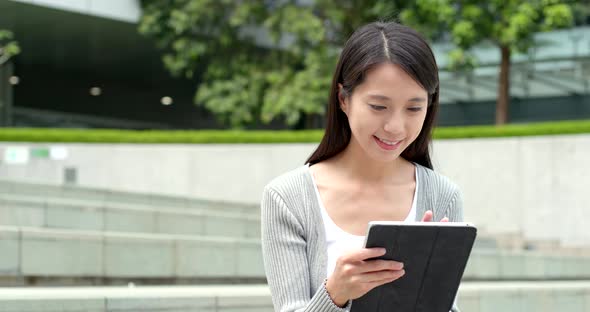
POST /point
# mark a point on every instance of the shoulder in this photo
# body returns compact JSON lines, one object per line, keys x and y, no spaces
{"x":289,"y":182}
{"x":285,"y":197}
{"x":437,"y":181}
{"x":443,"y":194}
{"x":292,"y":189}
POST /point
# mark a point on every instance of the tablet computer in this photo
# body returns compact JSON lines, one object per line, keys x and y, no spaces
{"x":434,"y":255}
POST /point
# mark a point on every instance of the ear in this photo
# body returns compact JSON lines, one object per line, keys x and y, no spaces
{"x":342,"y":99}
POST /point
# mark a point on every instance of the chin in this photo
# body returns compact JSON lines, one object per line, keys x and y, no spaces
{"x":385,"y":157}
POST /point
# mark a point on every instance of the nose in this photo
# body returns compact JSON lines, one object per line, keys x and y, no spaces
{"x":394,"y":123}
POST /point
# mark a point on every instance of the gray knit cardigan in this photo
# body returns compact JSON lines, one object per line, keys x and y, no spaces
{"x":294,"y":239}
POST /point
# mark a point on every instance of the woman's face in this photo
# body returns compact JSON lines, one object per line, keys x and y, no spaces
{"x":385,"y":112}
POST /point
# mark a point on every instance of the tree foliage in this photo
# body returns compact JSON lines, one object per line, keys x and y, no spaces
{"x":508,"y":24}
{"x":259,"y":60}
{"x":8,"y":47}
{"x":256,"y":61}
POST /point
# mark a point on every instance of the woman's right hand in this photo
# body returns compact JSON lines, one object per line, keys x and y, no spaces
{"x":354,"y":275}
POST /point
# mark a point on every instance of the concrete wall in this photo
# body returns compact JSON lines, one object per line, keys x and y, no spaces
{"x":531,"y":186}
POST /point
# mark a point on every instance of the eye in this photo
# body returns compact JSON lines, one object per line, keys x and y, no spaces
{"x":377,"y":107}
{"x":415,"y":109}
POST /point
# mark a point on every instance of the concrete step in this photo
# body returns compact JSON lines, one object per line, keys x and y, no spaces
{"x":525,"y":265}
{"x":254,"y":298}
{"x":571,"y":296}
{"x":108,"y":197}
{"x":19,"y":210}
{"x":37,"y":252}
{"x":16,"y":210}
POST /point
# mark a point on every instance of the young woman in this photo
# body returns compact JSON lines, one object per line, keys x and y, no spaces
{"x":373,"y":163}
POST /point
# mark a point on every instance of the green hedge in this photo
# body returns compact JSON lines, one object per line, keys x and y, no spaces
{"x":230,"y":136}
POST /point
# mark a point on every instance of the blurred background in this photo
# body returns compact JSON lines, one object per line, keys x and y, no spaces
{"x":136,"y":138}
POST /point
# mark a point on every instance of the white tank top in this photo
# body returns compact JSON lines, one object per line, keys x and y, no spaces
{"x":340,"y":241}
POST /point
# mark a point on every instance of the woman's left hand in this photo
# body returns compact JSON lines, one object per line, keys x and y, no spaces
{"x":428,"y":217}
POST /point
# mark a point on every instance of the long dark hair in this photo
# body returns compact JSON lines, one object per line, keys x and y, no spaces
{"x":371,"y":45}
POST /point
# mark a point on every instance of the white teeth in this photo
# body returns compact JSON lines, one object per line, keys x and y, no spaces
{"x":388,"y":142}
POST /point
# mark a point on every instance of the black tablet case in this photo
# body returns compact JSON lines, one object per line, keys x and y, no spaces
{"x":434,"y":261}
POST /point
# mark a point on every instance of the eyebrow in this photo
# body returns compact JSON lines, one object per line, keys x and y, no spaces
{"x":417,"y":100}
{"x":380,"y":97}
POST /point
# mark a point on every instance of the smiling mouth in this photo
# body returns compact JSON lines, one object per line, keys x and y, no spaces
{"x":388,"y":142}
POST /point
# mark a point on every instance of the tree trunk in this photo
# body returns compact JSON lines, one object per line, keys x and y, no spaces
{"x":503,"y":88}
{"x":6,"y":71}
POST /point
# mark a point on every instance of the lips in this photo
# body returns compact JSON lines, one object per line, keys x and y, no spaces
{"x":387,"y":144}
